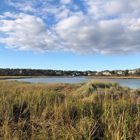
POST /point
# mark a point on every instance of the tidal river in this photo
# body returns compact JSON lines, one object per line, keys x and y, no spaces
{"x":132,"y":83}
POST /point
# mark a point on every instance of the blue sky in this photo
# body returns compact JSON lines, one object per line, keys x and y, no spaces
{"x":70,"y":34}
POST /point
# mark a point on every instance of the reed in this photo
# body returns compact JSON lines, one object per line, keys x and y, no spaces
{"x":87,"y":111}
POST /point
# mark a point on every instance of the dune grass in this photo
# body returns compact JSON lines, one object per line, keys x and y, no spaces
{"x":86,"y":111}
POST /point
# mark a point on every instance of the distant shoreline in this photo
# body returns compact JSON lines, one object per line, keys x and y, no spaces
{"x":92,"y":77}
{"x":114,"y":77}
{"x":24,"y":77}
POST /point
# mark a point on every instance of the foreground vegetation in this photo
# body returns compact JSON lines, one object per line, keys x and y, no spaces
{"x":85,"y":111}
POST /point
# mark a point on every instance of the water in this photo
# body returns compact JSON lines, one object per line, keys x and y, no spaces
{"x":55,"y":80}
{"x":131,"y":83}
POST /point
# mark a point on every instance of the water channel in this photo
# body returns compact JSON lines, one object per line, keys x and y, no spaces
{"x":131,"y":83}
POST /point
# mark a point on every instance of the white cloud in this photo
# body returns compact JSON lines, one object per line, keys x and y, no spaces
{"x":69,"y":23}
{"x":102,"y":9}
{"x":107,"y":27}
{"x":65,"y":1}
{"x":106,"y":36}
{"x":25,"y":5}
{"x":27,"y":33}
{"x":28,"y":8}
{"x":12,"y":15}
{"x":63,"y":14}
{"x":122,"y":8}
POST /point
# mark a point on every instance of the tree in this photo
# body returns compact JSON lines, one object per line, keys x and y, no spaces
{"x":126,"y":73}
{"x":112,"y":72}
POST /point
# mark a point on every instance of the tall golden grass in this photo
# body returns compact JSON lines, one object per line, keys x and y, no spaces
{"x":84,"y":111}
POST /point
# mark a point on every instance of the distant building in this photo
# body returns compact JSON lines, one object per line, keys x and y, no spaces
{"x":10,"y":71}
{"x":85,"y":73}
{"x":119,"y":72}
{"x":106,"y":73}
{"x":77,"y":74}
{"x":97,"y":73}
{"x":90,"y":73}
{"x":132,"y":71}
{"x":22,"y":71}
{"x":58,"y":73}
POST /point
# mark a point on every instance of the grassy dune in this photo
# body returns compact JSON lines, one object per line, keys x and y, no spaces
{"x":85,"y":111}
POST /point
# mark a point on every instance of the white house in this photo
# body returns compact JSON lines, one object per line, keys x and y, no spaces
{"x":119,"y":72}
{"x":89,"y":73}
{"x":132,"y":71}
{"x":97,"y":73}
{"x":58,"y":73}
{"x":85,"y":73}
{"x":106,"y":73}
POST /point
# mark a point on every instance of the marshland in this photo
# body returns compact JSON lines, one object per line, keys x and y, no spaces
{"x":94,"y":110}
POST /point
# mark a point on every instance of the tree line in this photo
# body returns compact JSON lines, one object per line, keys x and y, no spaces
{"x":40,"y":72}
{"x":49,"y":72}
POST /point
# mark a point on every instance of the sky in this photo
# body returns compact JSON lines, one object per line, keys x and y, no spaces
{"x":80,"y":35}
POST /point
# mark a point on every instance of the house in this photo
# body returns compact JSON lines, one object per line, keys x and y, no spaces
{"x":22,"y":71}
{"x":106,"y":73}
{"x":97,"y":73}
{"x":120,"y":72}
{"x":72,"y":74}
{"x":85,"y":73}
{"x":10,"y":71}
{"x":58,"y":73}
{"x":132,"y":71}
{"x":77,"y":74}
{"x":90,"y":73}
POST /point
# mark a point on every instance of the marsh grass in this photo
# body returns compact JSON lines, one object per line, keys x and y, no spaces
{"x":85,"y":111}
